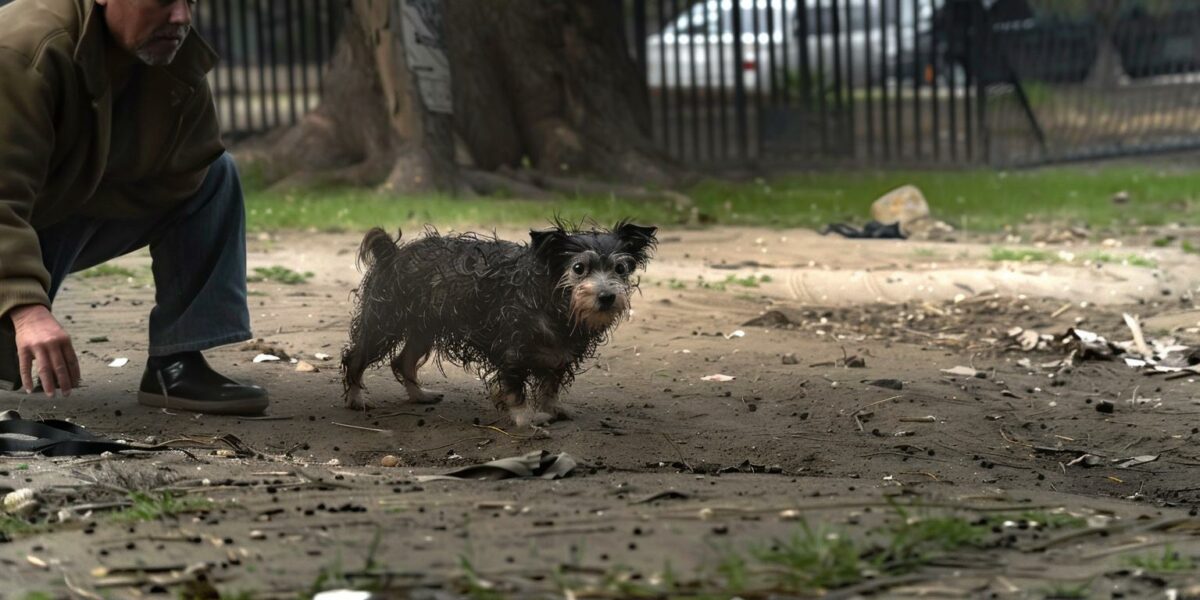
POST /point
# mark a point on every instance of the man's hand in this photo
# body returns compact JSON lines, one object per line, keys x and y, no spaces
{"x":40,"y":338}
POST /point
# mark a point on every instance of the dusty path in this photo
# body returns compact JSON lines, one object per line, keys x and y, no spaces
{"x":644,"y":417}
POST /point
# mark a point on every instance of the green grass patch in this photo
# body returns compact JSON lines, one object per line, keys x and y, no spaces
{"x":1169,"y":561}
{"x":279,"y":274}
{"x":13,"y":526}
{"x":808,"y":561}
{"x":1021,"y":255}
{"x":106,"y":270}
{"x":1044,"y":519}
{"x":1026,"y":255}
{"x":1067,"y":591}
{"x":730,"y":282}
{"x":1190,"y":248}
{"x":154,"y":507}
{"x":1133,"y":260}
{"x":813,"y":559}
{"x":978,"y":200}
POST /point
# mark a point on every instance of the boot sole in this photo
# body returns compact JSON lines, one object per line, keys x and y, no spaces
{"x":241,"y":406}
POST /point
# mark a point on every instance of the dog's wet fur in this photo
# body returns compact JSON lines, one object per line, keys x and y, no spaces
{"x":525,"y":316}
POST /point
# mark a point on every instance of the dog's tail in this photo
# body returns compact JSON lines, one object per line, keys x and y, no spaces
{"x":377,"y":247}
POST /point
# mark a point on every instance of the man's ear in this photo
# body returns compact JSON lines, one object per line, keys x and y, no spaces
{"x":636,"y":239}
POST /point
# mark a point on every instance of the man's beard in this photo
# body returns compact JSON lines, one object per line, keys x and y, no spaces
{"x":147,"y":55}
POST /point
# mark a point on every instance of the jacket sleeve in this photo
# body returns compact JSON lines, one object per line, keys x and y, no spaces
{"x":26,"y":143}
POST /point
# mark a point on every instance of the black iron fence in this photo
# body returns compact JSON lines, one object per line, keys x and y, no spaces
{"x":807,"y":80}
{"x":272,"y":58}
{"x":917,"y":81}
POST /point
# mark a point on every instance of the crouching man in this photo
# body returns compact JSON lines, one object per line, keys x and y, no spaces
{"x":109,"y":142}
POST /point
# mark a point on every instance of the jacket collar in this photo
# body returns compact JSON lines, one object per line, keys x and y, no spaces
{"x":191,"y":65}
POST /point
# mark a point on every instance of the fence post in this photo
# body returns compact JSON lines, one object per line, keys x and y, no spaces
{"x":982,"y":36}
{"x":739,"y":82}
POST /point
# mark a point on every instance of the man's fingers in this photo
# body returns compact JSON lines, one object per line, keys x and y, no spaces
{"x":45,"y":368}
{"x":26,"y":370}
{"x":72,"y":363}
{"x":62,"y":372}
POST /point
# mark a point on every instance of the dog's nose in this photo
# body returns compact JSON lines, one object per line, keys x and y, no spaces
{"x":606,"y":299}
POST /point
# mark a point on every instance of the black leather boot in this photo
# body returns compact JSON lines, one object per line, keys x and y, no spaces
{"x":184,"y":381}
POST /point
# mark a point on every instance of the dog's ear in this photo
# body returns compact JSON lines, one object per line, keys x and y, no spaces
{"x":546,"y":242}
{"x":636,"y":239}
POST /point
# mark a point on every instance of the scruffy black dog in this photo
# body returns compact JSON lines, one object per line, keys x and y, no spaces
{"x":524,"y":316}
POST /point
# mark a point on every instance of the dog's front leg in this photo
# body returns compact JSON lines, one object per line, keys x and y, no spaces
{"x":508,"y":393}
{"x":546,"y":391}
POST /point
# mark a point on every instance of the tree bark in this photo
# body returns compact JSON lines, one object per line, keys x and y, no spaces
{"x":542,"y":84}
{"x":1107,"y":72}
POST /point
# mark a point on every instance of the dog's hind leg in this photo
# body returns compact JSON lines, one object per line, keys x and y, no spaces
{"x":369,"y":344}
{"x":406,"y":365}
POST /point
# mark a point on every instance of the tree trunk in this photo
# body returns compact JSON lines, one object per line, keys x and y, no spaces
{"x":535,"y":83}
{"x":1107,"y":72}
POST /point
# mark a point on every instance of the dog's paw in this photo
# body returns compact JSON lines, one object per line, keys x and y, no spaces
{"x":355,"y":401}
{"x":559,"y":413}
{"x":528,"y":417}
{"x":420,"y":396}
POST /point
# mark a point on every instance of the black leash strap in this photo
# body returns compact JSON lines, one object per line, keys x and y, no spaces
{"x":52,"y":437}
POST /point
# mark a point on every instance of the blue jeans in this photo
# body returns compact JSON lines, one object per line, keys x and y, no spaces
{"x":199,"y":262}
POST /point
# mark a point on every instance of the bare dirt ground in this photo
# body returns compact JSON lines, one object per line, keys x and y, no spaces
{"x":841,"y":415}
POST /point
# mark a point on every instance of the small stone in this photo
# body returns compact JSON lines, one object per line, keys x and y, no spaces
{"x":21,"y":503}
{"x":306,"y":367}
{"x":790,"y":359}
{"x":1105,"y":406}
{"x":890,"y":384}
{"x":390,"y":461}
{"x":257,"y":535}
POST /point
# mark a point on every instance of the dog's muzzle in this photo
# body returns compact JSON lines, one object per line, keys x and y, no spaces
{"x":606,"y":300}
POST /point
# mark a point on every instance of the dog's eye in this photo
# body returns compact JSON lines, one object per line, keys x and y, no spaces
{"x":578,"y":268}
{"x":621,"y":268}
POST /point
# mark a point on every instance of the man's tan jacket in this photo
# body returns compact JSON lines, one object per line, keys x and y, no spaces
{"x":68,"y":147}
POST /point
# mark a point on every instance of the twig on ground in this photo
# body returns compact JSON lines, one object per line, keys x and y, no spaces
{"x":454,"y":443}
{"x":679,"y":452}
{"x":360,"y":428}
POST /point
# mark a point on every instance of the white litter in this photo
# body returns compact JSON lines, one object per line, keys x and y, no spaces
{"x":118,"y":362}
{"x":261,"y":358}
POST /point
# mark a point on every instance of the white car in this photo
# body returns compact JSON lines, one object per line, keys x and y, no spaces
{"x":696,"y":49}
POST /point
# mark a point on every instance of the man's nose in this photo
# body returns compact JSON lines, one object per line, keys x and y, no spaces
{"x":181,"y":13}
